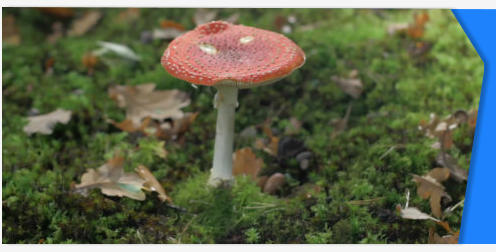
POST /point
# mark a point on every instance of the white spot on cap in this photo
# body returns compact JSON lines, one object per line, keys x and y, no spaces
{"x":208,"y":48}
{"x":245,"y":40}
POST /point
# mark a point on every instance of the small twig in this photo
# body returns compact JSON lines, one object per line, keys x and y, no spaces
{"x":186,"y":228}
{"x":387,"y":152}
{"x":451,"y":209}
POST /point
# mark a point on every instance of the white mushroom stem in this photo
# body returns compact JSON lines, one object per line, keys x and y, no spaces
{"x":225,"y":102}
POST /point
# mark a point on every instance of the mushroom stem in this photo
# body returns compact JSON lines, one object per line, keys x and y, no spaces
{"x":225,"y":102}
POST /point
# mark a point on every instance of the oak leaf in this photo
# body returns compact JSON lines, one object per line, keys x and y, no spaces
{"x":430,"y":188}
{"x":144,"y":101}
{"x":246,"y":163}
{"x":112,"y":180}
{"x":152,"y":184}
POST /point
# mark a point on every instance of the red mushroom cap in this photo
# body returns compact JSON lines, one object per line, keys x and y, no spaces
{"x":220,"y":53}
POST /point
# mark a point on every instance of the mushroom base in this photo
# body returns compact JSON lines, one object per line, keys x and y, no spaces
{"x":225,"y":102}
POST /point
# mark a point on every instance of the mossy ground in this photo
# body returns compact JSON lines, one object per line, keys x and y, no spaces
{"x":400,"y":89}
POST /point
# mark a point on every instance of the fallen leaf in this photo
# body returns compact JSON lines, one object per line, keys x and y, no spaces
{"x":83,"y":24}
{"x":121,"y":50}
{"x":274,"y":183}
{"x":89,"y":61}
{"x":351,"y":86}
{"x":44,"y":124}
{"x":439,"y":174}
{"x":143,"y":100}
{"x":58,"y":12}
{"x":413,"y":213}
{"x":112,"y":180}
{"x":203,"y":16}
{"x":340,"y":125}
{"x":151,"y":183}
{"x":128,"y":15}
{"x":165,"y":24}
{"x":246,"y":163}
{"x":10,"y":32}
{"x":446,"y":160}
{"x":434,"y":238}
{"x":416,"y":30}
{"x":429,"y":188}
{"x":178,"y":128}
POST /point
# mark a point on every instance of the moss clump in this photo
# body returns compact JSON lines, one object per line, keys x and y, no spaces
{"x":347,"y":195}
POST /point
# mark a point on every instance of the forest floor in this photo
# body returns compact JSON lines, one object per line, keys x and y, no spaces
{"x":384,"y":98}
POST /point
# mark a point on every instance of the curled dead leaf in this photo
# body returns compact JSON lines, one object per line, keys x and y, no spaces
{"x":446,"y":160}
{"x":434,"y":238}
{"x":151,"y":183}
{"x":429,"y":188}
{"x":413,"y":213}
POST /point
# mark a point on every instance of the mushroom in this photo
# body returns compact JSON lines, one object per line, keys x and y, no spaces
{"x":230,"y":57}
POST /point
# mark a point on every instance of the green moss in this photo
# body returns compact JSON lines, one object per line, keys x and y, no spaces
{"x":373,"y":159}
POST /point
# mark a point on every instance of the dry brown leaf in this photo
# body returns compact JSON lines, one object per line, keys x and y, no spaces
{"x":446,"y":160}
{"x":128,"y":15}
{"x":203,"y":16}
{"x":112,"y":180}
{"x":413,"y":213}
{"x":165,"y":24}
{"x":434,"y":238}
{"x":143,"y":101}
{"x":10,"y":32}
{"x":274,"y":183}
{"x":429,"y":188}
{"x":351,"y":86}
{"x":83,"y":24}
{"x":44,"y":124}
{"x":413,"y":30}
{"x":89,"y":61}
{"x":151,"y":183}
{"x":246,"y":163}
{"x":340,"y":125}
{"x":57,"y":12}
{"x":439,"y":174}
